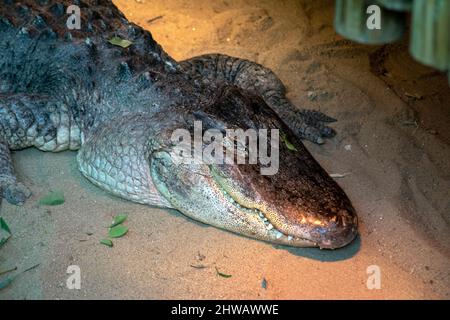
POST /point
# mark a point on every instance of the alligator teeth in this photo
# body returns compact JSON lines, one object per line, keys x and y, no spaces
{"x":290,"y":238}
{"x":260,"y":214}
{"x":269,"y":226}
{"x":278,"y":234}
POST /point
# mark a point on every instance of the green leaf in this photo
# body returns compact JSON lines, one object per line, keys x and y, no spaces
{"x":264,"y":283}
{"x":52,"y":199}
{"x":106,"y":242}
{"x":288,"y":144}
{"x":119,"y":219}
{"x":7,"y":271}
{"x":6,"y":282}
{"x":124,"y":43}
{"x":223,"y":275}
{"x":118,"y":231}
{"x":31,"y":268}
{"x":4,"y":225}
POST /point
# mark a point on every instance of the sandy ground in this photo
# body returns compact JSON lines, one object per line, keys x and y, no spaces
{"x":395,"y":147}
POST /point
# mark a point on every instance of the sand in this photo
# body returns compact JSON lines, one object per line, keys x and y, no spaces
{"x":393,"y":140}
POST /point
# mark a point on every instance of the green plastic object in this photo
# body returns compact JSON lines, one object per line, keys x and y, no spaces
{"x":397,"y":5}
{"x":430,"y":37}
{"x":351,"y":22}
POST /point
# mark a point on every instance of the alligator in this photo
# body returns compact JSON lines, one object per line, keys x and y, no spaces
{"x":65,"y":88}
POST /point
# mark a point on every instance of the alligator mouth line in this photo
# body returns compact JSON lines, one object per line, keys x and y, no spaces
{"x":262,"y":217}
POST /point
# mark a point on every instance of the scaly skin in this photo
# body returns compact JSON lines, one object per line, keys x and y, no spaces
{"x":66,"y":89}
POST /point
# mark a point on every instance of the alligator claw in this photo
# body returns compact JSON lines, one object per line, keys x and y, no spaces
{"x":313,"y":128}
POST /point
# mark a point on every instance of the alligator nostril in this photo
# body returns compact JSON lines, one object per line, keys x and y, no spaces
{"x":341,"y":229}
{"x":346,"y":217}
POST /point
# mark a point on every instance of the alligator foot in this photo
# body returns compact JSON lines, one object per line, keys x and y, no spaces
{"x":311,"y":125}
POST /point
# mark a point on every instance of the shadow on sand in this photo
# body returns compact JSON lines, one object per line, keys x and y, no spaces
{"x":325,"y":255}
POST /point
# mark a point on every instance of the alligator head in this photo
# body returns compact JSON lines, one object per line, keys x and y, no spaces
{"x":299,"y":205}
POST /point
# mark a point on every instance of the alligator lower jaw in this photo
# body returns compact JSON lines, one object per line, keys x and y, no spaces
{"x":279,"y":237}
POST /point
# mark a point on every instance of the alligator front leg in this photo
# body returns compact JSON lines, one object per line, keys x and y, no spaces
{"x":31,"y":121}
{"x":248,"y":75}
{"x":12,"y":190}
{"x":15,"y":120}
